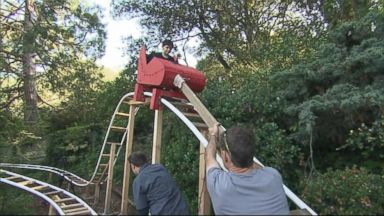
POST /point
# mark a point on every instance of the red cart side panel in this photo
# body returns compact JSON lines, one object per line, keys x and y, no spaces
{"x":161,"y":73}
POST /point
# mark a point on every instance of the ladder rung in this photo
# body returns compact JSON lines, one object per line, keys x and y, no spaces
{"x":133,"y":102}
{"x":200,"y":125}
{"x":119,"y":129}
{"x":71,"y":206}
{"x":116,"y":143}
{"x":12,"y":177}
{"x":25,"y":182}
{"x":104,"y":155}
{"x":52,"y":193}
{"x":194,"y":115}
{"x":104,"y":165}
{"x":122,"y":114}
{"x":86,"y":212}
{"x":65,"y":200}
{"x":39,"y":187}
{"x":75,"y":210}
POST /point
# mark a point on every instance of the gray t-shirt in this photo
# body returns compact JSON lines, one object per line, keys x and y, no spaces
{"x":259,"y":191}
{"x":154,"y":188}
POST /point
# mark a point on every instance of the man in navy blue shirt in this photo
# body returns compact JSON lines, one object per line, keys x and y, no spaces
{"x":154,"y":190}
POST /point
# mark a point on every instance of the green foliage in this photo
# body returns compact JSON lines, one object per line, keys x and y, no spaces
{"x":275,"y":149}
{"x":70,"y":147}
{"x":351,"y":191}
{"x":16,"y":202}
{"x":180,"y":154}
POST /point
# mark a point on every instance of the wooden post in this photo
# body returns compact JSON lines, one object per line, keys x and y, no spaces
{"x":127,"y":167}
{"x":51,"y":210}
{"x":158,"y":129}
{"x":204,"y":203}
{"x":108,"y":192}
{"x":97,"y":193}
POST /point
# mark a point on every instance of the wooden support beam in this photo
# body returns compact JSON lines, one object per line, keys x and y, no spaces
{"x":127,"y":167}
{"x":204,"y":204}
{"x":108,"y":194}
{"x":97,"y":194}
{"x":197,"y":104}
{"x":158,"y":129}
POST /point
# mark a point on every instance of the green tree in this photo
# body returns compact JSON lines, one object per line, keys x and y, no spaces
{"x":45,"y":46}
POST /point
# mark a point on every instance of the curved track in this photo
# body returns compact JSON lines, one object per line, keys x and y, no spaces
{"x":182,"y":108}
{"x":62,"y":201}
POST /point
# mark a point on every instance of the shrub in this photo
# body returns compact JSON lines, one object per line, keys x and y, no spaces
{"x":351,"y":191}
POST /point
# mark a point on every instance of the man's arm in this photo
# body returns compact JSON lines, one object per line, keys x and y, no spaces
{"x":210,"y":160}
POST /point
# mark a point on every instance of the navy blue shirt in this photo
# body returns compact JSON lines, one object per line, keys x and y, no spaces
{"x":155,"y":189}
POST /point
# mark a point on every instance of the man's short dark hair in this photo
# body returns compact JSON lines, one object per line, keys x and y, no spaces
{"x":167,"y":42}
{"x":241,"y":144}
{"x":138,"y":159}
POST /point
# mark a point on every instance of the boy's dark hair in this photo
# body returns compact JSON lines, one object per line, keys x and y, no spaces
{"x":138,"y":159}
{"x":167,"y":42}
{"x":241,"y":146}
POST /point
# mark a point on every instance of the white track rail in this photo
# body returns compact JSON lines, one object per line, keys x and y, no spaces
{"x":64,"y":202}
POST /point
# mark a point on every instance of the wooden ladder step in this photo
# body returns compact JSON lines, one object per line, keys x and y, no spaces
{"x":25,"y":182}
{"x":72,"y":206}
{"x":104,"y":155}
{"x":133,"y":102}
{"x":40,"y":187}
{"x":65,"y":200}
{"x":193,"y":115}
{"x":75,"y":210}
{"x":200,"y":125}
{"x":12,"y":177}
{"x":52,"y":193}
{"x":122,"y":114}
{"x":118,"y":129}
{"x":111,"y":143}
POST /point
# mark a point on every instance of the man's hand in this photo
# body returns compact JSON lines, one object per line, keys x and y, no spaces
{"x":214,"y":130}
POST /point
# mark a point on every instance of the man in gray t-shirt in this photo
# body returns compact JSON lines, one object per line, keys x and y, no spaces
{"x":247,"y":188}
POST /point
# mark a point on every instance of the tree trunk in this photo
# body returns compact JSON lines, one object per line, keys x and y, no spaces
{"x":29,"y":69}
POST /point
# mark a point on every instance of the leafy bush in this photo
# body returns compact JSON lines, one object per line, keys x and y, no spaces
{"x":351,"y":191}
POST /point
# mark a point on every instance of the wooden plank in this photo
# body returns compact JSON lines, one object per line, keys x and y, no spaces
{"x":72,"y":206}
{"x":192,"y":115}
{"x":122,"y":114}
{"x":200,"y":125}
{"x":115,"y":143}
{"x":197,"y":104}
{"x":136,"y":103}
{"x":40,"y":187}
{"x":118,"y":129}
{"x":52,"y":193}
{"x":24,"y":183}
{"x":76,"y":210}
{"x":12,"y":177}
{"x":127,"y":167}
{"x":108,"y":194}
{"x":65,"y":200}
{"x":158,"y":128}
{"x":204,"y":204}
